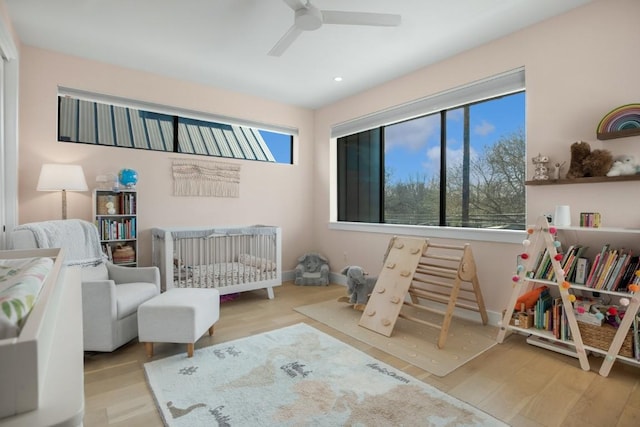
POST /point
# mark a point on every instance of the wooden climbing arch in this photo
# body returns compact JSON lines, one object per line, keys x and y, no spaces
{"x":416,"y":271}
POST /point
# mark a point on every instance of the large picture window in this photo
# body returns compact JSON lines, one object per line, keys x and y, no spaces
{"x":462,"y":166}
{"x":103,"y":123}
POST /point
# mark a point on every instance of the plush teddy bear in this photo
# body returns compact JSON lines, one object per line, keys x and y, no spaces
{"x":623,"y":165}
{"x":585,"y":163}
{"x":359,"y":287}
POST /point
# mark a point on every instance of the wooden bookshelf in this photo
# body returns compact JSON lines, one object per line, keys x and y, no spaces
{"x":115,"y":215}
{"x":542,"y":239}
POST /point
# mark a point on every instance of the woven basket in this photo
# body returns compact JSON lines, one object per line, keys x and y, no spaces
{"x":601,"y":337}
{"x":123,"y":254}
{"x":102,"y":204}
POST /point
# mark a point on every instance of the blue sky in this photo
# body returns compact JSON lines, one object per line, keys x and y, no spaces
{"x":413,"y":147}
{"x":279,"y":144}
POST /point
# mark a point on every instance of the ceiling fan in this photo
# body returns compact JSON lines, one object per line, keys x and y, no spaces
{"x":307,"y":17}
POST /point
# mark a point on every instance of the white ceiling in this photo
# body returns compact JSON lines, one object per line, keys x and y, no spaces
{"x":224,"y":43}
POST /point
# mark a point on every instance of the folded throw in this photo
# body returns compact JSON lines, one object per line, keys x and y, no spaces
{"x":78,"y":238}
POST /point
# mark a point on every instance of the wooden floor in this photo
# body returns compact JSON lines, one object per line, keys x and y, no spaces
{"x":518,"y":383}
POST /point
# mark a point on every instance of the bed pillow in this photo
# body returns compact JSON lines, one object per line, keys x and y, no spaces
{"x":261,"y":264}
{"x":20,"y":284}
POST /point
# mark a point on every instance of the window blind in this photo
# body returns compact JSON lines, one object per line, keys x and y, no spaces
{"x":498,"y":85}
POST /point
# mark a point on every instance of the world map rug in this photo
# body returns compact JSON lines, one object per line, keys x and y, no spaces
{"x":297,"y":376}
{"x":411,"y":341}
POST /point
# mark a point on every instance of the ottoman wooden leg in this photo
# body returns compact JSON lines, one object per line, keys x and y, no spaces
{"x":211,"y":329}
{"x":190,"y":350}
{"x":149,"y":347}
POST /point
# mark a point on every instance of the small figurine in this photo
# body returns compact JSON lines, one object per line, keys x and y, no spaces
{"x":540,"y":169}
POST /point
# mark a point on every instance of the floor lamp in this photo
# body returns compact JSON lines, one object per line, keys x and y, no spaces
{"x":54,"y":177}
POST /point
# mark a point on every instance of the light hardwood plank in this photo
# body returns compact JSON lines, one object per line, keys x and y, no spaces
{"x":523,"y":385}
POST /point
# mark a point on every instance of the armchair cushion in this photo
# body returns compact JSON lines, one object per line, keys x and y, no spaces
{"x":130,"y":295}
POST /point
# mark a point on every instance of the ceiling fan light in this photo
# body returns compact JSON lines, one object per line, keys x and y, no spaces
{"x":309,"y":18}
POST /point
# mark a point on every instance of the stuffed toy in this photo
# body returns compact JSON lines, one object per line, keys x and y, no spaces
{"x":530,"y":298}
{"x":623,"y":165}
{"x":359,"y":287}
{"x":312,"y":269}
{"x":586,"y":163}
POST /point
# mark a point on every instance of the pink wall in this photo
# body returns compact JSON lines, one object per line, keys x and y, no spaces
{"x":273,"y":194}
{"x":578,"y":66}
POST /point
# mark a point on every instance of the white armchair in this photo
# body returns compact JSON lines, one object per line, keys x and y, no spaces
{"x":111,"y":294}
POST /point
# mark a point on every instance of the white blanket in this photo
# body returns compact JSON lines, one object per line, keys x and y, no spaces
{"x":78,"y":238}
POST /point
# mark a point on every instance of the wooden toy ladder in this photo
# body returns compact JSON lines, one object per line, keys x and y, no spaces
{"x":424,"y":271}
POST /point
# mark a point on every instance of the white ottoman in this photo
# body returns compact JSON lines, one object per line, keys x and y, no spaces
{"x":180,"y":315}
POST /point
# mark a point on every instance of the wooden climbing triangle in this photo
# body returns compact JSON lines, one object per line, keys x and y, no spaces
{"x":427,"y":276}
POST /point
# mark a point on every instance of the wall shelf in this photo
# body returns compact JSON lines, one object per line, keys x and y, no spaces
{"x":589,"y":180}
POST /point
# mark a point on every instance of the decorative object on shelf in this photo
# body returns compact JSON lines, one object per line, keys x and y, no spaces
{"x":205,"y":178}
{"x":562,"y":216}
{"x":620,"y":122}
{"x":128,"y":178}
{"x":623,"y":165}
{"x":540,"y":169}
{"x":108,"y":182}
{"x":590,"y":219}
{"x":585,"y":162}
{"x":54,"y":177}
{"x":108,"y":204}
{"x":557,"y":168}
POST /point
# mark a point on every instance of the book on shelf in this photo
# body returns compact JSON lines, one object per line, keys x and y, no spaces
{"x":629,"y":274}
{"x":619,"y":270}
{"x":582,"y":267}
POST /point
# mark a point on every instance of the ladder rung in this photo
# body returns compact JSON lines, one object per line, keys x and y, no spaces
{"x":432,"y":272}
{"x":443,"y":257}
{"x":427,"y":292}
{"x":415,"y":319}
{"x":445,"y":301}
{"x":432,"y":282}
{"x":443,"y":246}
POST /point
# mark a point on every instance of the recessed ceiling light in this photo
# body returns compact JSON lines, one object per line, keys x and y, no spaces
{"x":337,"y":79}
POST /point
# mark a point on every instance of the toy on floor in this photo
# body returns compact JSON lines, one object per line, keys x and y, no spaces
{"x":312,"y":269}
{"x":359,"y":287}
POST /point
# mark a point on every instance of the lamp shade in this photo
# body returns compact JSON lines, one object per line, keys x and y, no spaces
{"x":54,"y":177}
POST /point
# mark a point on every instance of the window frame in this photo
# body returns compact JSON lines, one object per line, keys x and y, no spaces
{"x":493,"y":87}
{"x":245,"y":132}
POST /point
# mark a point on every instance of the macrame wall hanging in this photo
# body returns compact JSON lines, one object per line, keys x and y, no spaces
{"x":205,"y":178}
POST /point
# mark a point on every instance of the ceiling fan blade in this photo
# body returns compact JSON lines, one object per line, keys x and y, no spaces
{"x":285,"y":41}
{"x":296,"y":4}
{"x":360,"y":18}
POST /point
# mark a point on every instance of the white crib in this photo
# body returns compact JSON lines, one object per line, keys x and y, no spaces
{"x":229,"y":259}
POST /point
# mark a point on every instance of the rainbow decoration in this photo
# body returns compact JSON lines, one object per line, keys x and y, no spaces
{"x":620,"y":122}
